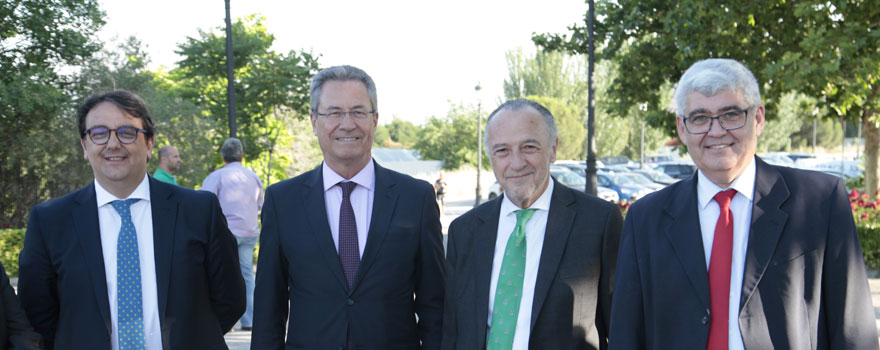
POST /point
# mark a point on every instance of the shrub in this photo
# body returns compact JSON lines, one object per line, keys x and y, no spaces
{"x":11,"y":241}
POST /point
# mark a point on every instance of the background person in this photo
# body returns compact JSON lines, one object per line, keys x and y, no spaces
{"x":169,"y":163}
{"x":241,"y":196}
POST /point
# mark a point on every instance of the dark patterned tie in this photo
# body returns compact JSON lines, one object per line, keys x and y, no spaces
{"x":129,"y":300}
{"x":349,"y":254}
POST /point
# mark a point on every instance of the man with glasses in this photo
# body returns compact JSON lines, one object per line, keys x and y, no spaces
{"x":351,"y":253}
{"x":129,"y":262}
{"x":743,"y":254}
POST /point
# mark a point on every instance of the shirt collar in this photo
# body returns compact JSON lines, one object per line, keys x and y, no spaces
{"x":365,"y":178}
{"x":542,"y":203}
{"x":141,"y":192}
{"x":744,"y":185}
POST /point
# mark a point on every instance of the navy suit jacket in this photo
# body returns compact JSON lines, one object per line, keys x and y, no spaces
{"x":572,"y":298}
{"x":804,"y":284}
{"x":63,"y":289}
{"x":400,"y":276}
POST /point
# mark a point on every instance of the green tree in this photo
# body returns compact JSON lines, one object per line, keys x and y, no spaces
{"x":269,"y":87}
{"x":825,"y":49}
{"x":403,"y":133}
{"x":452,"y":139}
{"x":39,"y":42}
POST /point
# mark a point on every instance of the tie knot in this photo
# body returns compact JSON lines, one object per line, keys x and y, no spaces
{"x":122,"y":206}
{"x":723,"y":198}
{"x":347,"y":187}
{"x":523,"y":216}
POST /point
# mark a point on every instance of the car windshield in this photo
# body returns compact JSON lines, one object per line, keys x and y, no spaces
{"x":620,"y":180}
{"x":569,"y":179}
{"x":637,"y":178}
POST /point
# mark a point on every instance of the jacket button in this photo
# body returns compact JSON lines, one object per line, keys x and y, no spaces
{"x":349,"y":302}
{"x":705,"y":320}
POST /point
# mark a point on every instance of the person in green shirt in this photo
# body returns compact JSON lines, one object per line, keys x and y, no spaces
{"x":169,"y":162}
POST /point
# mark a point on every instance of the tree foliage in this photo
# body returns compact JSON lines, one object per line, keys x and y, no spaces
{"x":269,"y":85}
{"x":825,"y":49}
{"x":38,"y":144}
{"x":452,"y":139}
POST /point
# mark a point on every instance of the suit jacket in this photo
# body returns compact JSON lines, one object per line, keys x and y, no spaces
{"x":299,"y":264}
{"x":804,"y":283}
{"x":63,"y":287}
{"x":15,"y":330}
{"x":572,"y":301}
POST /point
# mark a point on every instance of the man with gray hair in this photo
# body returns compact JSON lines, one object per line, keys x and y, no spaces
{"x":169,"y":162}
{"x":241,"y":196}
{"x":743,"y":254}
{"x":351,"y":253}
{"x":533,"y":268}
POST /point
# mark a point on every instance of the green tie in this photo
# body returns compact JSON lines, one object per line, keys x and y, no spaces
{"x":508,"y":293}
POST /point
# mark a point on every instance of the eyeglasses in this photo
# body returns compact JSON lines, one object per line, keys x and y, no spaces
{"x":338,"y":115}
{"x":730,"y":120}
{"x":100,"y":135}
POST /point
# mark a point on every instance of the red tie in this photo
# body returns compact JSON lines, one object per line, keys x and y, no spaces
{"x":719,"y":272}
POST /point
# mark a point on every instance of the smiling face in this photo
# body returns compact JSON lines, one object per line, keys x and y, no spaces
{"x":721,"y":155}
{"x":521,"y":151}
{"x":119,"y":168}
{"x":345,"y":142}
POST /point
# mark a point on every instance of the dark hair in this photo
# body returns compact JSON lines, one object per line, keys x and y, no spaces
{"x":126,"y":101}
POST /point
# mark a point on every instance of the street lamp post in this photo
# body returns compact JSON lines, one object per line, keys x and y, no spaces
{"x":479,"y":144}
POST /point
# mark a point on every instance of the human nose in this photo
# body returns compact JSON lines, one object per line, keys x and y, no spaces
{"x":715,"y":128}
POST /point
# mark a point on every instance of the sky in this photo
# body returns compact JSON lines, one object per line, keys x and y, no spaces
{"x":423,"y":56}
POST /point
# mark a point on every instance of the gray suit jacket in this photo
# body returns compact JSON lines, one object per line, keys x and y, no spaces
{"x":804,"y":284}
{"x":576,"y":271}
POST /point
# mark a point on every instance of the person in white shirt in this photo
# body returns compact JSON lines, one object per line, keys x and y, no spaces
{"x":129,"y":262}
{"x":533,"y":268}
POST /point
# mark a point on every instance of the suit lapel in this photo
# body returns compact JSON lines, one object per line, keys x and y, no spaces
{"x":684,"y":235}
{"x":559,"y":224}
{"x":88,"y":231}
{"x":384,"y":200}
{"x":768,"y":220}
{"x":313,"y":200}
{"x":164,"y":208}
{"x":485,"y":233}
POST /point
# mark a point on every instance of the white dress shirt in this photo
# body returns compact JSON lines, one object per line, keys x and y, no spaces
{"x":361,"y":201}
{"x":110,"y":222}
{"x":535,"y":229}
{"x":741,"y":206}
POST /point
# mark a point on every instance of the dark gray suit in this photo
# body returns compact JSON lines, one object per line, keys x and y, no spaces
{"x":572,"y":300}
{"x":804,"y":283}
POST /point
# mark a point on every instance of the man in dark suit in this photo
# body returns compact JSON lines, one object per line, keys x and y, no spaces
{"x":534,"y":267}
{"x":129,"y":262}
{"x":350,"y":252}
{"x":15,"y":330}
{"x":742,"y":255}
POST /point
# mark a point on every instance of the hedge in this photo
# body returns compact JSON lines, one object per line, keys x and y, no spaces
{"x":11,"y":241}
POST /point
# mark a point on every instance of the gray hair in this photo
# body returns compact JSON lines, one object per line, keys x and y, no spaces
{"x":341,"y":73}
{"x":232,"y":151}
{"x":711,"y":76}
{"x":519,"y":104}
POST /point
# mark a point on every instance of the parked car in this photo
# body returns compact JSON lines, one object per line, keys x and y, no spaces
{"x":777,"y":158}
{"x":657,"y":176}
{"x":495,"y":190}
{"x":656,"y":158}
{"x":678,"y":169}
{"x":577,"y":167}
{"x":626,"y":189}
{"x":643,"y":180}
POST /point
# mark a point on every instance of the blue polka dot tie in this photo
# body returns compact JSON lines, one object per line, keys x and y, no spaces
{"x":508,"y":291}
{"x":129,"y":301}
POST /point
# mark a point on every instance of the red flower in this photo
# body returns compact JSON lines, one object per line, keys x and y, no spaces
{"x":865,"y":216}
{"x":852,"y":206}
{"x":853,"y":194}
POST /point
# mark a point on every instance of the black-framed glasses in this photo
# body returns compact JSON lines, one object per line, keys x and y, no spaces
{"x":730,"y":120}
{"x":338,"y":115}
{"x":100,"y":135}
